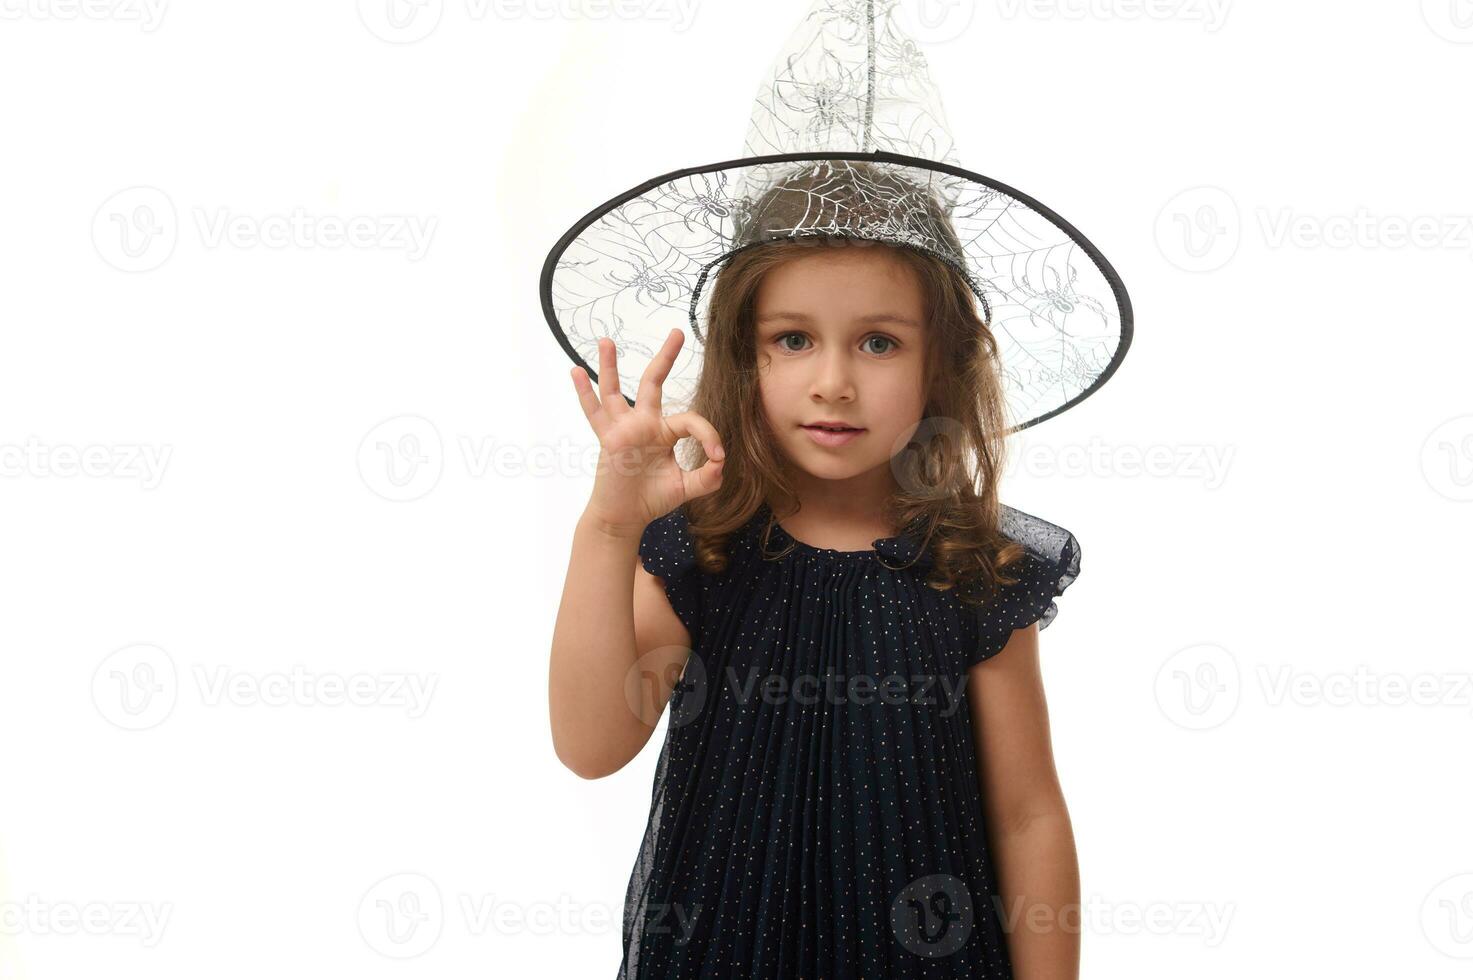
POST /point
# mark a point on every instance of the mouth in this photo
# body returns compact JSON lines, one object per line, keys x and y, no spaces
{"x":832,"y":434}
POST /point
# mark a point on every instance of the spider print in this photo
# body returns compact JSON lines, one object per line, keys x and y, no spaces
{"x":623,"y":346}
{"x":908,"y":59}
{"x":646,"y":282}
{"x":1063,"y":298}
{"x":848,"y":20}
{"x":823,"y":104}
{"x":710,"y":207}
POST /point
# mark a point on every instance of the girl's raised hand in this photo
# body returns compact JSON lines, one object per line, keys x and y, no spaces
{"x":638,"y":478}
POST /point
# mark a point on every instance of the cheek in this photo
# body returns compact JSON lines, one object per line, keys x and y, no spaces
{"x":769,"y":392}
{"x":776,"y":381}
{"x":903,"y":389}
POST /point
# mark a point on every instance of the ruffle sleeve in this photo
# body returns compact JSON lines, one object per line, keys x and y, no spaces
{"x":666,"y":550}
{"x":1050,"y":565}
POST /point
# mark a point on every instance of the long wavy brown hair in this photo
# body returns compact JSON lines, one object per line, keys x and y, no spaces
{"x":947,"y":474}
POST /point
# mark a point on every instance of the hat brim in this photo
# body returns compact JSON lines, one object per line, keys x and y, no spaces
{"x":632,"y":270}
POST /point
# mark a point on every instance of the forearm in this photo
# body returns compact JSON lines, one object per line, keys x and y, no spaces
{"x":594,"y":729}
{"x":1038,"y":882}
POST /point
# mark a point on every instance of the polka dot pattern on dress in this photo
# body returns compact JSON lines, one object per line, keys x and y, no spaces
{"x":816,"y":812}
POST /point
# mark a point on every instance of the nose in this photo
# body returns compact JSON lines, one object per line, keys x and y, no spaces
{"x":833,"y":377}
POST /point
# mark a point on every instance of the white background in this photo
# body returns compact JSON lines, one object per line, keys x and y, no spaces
{"x":369,"y":461}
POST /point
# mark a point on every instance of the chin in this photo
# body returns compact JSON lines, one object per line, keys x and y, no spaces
{"x":835,"y":466}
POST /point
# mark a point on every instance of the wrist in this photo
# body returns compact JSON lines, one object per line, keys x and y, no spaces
{"x":611,"y":530}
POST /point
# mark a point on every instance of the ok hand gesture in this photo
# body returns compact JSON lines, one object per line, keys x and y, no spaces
{"x":638,"y":478}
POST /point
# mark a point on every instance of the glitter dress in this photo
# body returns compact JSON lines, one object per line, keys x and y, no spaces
{"x":816,"y":810}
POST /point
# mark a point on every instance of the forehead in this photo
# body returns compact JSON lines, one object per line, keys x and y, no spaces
{"x":847,"y":284}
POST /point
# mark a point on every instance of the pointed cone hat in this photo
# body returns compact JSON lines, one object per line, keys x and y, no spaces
{"x":847,"y":139}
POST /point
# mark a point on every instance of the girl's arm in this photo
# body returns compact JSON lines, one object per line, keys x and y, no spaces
{"x":617,"y":649}
{"x":618,"y":646}
{"x":1030,"y":836}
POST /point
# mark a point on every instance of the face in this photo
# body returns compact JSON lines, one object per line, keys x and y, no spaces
{"x":841,"y":337}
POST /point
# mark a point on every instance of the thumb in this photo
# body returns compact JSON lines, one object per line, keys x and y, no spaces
{"x":704,"y":480}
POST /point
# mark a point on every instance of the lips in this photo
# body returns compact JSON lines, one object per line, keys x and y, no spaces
{"x":832,"y":437}
{"x":834,"y":427}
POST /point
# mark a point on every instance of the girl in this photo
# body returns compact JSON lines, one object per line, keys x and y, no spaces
{"x":856,"y":778}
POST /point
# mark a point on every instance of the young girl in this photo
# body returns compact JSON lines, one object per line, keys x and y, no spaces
{"x":856,"y":778}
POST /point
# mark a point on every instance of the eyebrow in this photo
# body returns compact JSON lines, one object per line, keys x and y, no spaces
{"x":871,"y":318}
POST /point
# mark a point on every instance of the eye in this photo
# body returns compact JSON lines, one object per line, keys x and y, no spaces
{"x":889,"y":342}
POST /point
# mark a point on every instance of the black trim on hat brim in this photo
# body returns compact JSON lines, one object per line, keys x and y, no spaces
{"x":1127,"y":316}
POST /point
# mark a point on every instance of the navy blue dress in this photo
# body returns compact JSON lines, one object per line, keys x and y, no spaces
{"x":816,"y":809}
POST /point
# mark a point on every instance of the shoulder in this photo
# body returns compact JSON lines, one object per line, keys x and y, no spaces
{"x":666,"y":551}
{"x":1049,"y":565}
{"x":1044,"y":541}
{"x":666,"y":545}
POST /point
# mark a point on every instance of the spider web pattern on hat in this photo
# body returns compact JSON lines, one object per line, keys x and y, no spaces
{"x":849,"y":135}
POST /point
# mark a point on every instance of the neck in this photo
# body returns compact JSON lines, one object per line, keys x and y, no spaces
{"x":860,"y":501}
